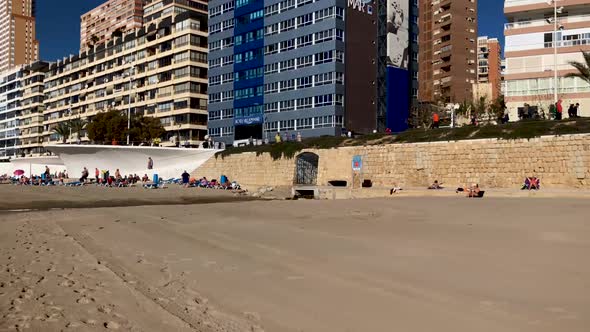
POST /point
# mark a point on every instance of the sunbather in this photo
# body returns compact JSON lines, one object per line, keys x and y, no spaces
{"x":436,"y":185}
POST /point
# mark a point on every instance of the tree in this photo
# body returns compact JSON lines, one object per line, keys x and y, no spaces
{"x":145,"y":129}
{"x":107,"y":127}
{"x":479,"y":108}
{"x":497,"y":108}
{"x":421,"y":115}
{"x":112,"y":126}
{"x":63,"y":130}
{"x":78,"y":125}
{"x":582,"y":67}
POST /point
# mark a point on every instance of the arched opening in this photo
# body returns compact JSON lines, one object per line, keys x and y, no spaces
{"x":306,"y":170}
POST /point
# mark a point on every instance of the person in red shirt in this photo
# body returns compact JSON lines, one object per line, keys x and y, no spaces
{"x":435,"y":120}
{"x":559,"y":111}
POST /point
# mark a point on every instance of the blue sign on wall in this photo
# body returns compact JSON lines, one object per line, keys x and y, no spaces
{"x":248,"y":120}
{"x":357,"y":163}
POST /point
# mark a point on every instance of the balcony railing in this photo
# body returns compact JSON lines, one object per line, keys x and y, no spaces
{"x":543,"y":22}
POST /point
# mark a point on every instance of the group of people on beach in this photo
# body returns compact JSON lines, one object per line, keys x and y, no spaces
{"x":224,"y":183}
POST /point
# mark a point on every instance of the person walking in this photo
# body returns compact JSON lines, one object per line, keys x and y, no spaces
{"x":559,"y":107}
{"x":150,"y":164}
{"x":185,"y":179}
{"x":570,"y":111}
{"x":435,"y":120}
{"x":97,"y":175}
{"x":576,"y":110}
{"x":278,"y":138}
{"x":84,"y":175}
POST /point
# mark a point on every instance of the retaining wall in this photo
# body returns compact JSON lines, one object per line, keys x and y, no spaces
{"x":560,"y":162}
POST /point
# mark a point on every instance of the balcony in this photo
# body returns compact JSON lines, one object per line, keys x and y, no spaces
{"x":543,"y":22}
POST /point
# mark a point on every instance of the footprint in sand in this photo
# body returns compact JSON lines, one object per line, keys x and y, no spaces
{"x":85,"y":300}
{"x":67,"y":283}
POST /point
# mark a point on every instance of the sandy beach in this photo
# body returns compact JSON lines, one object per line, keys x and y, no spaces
{"x":404,"y":264}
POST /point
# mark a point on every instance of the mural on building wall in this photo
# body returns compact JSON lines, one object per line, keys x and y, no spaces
{"x":398,"y":17}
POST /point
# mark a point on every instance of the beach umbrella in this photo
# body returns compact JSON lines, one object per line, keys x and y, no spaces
{"x":19,"y":172}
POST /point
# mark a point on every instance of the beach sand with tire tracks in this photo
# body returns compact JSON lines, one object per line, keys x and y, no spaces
{"x":404,"y":264}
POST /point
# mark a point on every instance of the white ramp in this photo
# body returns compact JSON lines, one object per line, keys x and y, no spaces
{"x":168,"y":162}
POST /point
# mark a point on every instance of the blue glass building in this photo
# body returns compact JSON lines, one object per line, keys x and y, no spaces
{"x":278,"y":66}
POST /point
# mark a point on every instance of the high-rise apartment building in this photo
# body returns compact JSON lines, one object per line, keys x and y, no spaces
{"x":447,"y":50}
{"x":284,"y":66}
{"x":113,"y":18}
{"x":159,"y":70}
{"x":10,"y":96}
{"x":18,"y":44}
{"x":531,"y":43}
{"x":489,"y":64}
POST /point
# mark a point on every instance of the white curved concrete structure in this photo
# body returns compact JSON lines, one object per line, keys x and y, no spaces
{"x":168,"y":162}
{"x":33,"y":165}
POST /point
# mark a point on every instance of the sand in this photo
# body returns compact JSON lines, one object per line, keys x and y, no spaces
{"x":401,"y":264}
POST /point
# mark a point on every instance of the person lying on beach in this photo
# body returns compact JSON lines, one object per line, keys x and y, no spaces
{"x":436,"y":185}
{"x":472,"y":191}
{"x":394,"y":190}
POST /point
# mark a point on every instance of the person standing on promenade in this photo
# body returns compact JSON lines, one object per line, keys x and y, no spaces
{"x":150,"y":163}
{"x":435,"y":120}
{"x":185,"y":179}
{"x":559,"y":110}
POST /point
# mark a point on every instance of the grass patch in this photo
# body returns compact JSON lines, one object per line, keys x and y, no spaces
{"x":516,"y":130}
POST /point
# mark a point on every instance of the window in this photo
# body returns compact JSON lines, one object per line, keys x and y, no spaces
{"x":287,"y":65}
{"x":271,"y":87}
{"x":287,"y":85}
{"x":271,"y":68}
{"x":304,"y":41}
{"x":323,"y":100}
{"x":304,"y":82}
{"x":304,"y":123}
{"x":271,"y":107}
{"x":323,"y":79}
{"x":304,"y":20}
{"x":305,"y":61}
{"x":287,"y":105}
{"x":287,"y":124}
{"x":287,"y":25}
{"x":287,"y":45}
{"x":323,"y":36}
{"x":324,"y":57}
{"x":303,"y":103}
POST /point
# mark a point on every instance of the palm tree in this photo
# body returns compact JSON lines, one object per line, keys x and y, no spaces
{"x":78,"y":125}
{"x":583,"y":68}
{"x":63,"y":130}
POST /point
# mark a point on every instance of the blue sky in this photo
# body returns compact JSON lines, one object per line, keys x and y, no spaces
{"x":58,"y":24}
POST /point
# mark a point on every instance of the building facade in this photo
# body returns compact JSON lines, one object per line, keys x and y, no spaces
{"x":10,"y":98}
{"x":489,"y":64}
{"x":447,"y":50}
{"x":530,"y":59}
{"x":113,"y":18}
{"x":18,"y":44}
{"x":280,"y":66}
{"x":159,"y":70}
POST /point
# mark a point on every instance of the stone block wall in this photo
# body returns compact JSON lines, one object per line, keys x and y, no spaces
{"x":560,"y":162}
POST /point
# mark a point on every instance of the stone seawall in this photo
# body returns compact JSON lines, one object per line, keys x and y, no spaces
{"x":560,"y":162}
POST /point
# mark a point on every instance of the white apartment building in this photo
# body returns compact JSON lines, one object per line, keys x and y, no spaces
{"x":529,"y":52}
{"x":10,"y":97}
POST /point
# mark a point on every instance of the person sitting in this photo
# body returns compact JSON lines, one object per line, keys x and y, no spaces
{"x":436,"y":185}
{"x":145,"y":178}
{"x":395,"y":189}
